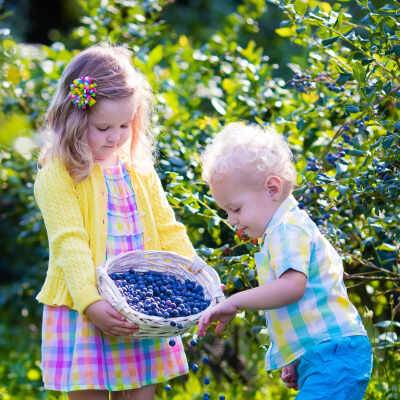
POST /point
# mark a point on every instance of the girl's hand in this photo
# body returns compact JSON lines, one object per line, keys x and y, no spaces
{"x":289,"y":375}
{"x":222,"y":312}
{"x":109,"y":320}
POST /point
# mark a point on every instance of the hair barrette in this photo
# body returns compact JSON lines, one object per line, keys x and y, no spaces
{"x":83,"y":92}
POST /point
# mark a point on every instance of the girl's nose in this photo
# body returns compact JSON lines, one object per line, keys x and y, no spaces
{"x":113,"y":137}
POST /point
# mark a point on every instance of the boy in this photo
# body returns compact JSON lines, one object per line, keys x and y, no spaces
{"x":316,"y":333}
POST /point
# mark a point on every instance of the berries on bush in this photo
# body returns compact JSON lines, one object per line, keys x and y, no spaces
{"x":194,"y":367}
{"x":159,"y":294}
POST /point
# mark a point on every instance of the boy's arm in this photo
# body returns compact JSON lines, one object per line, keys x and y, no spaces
{"x":289,"y":288}
{"x":289,"y":251}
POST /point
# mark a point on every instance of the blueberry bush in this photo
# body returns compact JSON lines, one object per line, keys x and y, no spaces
{"x":336,"y":100}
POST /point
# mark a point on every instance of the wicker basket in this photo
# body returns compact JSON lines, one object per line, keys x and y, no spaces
{"x":160,"y":261}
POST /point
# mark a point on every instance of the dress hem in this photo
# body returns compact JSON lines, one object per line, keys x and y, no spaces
{"x":116,"y":389}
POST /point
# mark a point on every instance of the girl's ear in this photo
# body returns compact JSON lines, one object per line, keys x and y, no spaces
{"x":273,"y":186}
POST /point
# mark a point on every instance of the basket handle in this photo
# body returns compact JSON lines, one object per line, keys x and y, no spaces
{"x":200,"y":266}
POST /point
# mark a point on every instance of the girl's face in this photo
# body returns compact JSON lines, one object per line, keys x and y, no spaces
{"x":249,"y":208}
{"x":110,"y":127}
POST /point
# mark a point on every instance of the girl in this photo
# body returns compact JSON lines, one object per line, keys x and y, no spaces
{"x":99,"y":196}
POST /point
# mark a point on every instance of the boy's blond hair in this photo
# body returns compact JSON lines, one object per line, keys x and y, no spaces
{"x":66,"y":125}
{"x":253,"y":151}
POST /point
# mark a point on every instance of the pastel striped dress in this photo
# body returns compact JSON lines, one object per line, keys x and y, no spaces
{"x":78,"y":356}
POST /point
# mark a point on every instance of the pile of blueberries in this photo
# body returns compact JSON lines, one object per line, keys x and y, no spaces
{"x":160,"y":294}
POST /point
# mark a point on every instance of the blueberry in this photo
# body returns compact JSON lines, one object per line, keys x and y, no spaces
{"x":167,"y":387}
{"x":175,"y":313}
{"x":194,"y":367}
{"x":172,"y":342}
{"x":206,"y":380}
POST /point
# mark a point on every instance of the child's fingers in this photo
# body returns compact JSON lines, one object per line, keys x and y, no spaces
{"x":220,"y":327}
{"x":202,"y":326}
{"x":120,"y":321}
{"x":122,"y":331}
{"x":112,"y":312}
{"x":292,"y":385}
{"x":206,"y":319}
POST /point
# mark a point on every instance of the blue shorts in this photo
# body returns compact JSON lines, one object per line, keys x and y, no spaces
{"x":338,"y":369}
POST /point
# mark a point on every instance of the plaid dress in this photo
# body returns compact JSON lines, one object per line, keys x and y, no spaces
{"x":78,"y":356}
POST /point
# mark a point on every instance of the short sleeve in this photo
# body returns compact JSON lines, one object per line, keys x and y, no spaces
{"x":289,"y":247}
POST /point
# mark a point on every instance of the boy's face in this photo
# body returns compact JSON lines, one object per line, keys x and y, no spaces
{"x":249,"y":207}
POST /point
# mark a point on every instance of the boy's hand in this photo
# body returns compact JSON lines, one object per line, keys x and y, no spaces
{"x":109,"y":320}
{"x":289,"y":375}
{"x":222,"y":312}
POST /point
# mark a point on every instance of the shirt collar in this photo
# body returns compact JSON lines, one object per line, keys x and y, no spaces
{"x":287,"y":205}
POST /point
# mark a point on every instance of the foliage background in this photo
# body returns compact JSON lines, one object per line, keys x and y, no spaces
{"x":326,"y":74}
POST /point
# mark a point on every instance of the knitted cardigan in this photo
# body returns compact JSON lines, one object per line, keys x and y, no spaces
{"x":76,"y":222}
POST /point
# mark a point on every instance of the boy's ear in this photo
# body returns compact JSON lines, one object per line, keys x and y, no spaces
{"x":273,"y":185}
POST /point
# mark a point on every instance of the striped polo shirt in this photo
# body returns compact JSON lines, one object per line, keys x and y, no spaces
{"x":293,"y":241}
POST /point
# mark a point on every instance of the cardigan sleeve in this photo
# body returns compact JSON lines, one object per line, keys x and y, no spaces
{"x":68,"y":239}
{"x":173,"y":235}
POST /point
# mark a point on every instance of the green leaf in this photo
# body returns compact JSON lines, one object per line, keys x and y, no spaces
{"x":387,"y":87}
{"x":155,"y":56}
{"x":395,"y":50}
{"x":300,"y":124}
{"x":219,"y":105}
{"x":343,"y":78}
{"x":387,"y":324}
{"x":286,"y":31}
{"x":359,"y":72}
{"x":327,"y":42}
{"x":355,"y":152}
{"x":387,"y":247}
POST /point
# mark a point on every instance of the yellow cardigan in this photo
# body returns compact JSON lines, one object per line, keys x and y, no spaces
{"x":76,"y":223}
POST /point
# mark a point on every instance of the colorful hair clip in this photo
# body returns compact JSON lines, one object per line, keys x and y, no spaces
{"x":83,"y":92}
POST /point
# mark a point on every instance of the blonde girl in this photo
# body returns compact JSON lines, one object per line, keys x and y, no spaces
{"x":99,"y":195}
